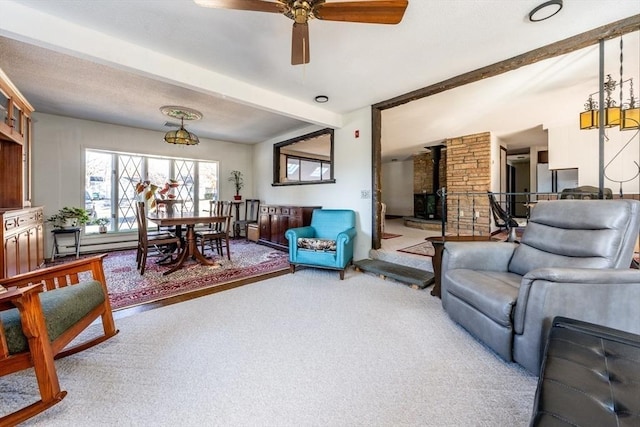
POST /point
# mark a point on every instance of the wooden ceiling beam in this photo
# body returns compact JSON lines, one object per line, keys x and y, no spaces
{"x":561,"y":47}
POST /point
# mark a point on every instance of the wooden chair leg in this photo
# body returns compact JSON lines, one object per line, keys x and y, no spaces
{"x":292,"y":268}
{"x":35,"y":330}
{"x":143,"y":263}
{"x":341,"y":274}
{"x":138,"y":258}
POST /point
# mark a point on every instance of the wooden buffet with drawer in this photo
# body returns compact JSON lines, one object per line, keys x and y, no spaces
{"x":22,"y":237}
{"x":274,"y":220}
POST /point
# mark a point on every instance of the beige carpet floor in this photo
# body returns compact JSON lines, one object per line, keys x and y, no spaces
{"x":298,"y":350}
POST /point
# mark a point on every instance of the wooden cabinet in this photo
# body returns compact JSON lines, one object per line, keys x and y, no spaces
{"x":275,"y":220}
{"x":22,"y":230}
{"x":22,"y":237}
{"x":15,"y":146}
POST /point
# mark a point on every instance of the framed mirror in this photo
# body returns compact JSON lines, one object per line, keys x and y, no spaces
{"x":307,"y":159}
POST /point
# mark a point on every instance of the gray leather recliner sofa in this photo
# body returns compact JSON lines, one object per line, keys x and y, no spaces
{"x":573,"y":260}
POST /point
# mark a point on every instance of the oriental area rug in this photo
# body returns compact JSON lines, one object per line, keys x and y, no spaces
{"x":390,"y":235}
{"x":424,"y":248}
{"x":128,"y":288}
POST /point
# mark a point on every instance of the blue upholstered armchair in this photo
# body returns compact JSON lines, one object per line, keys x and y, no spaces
{"x":326,"y":243}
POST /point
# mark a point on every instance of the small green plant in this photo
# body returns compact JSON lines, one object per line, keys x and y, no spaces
{"x":69,"y":217}
{"x":238,"y":181}
{"x":100,"y":221}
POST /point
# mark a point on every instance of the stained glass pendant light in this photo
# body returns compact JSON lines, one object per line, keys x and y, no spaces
{"x":181,"y":136}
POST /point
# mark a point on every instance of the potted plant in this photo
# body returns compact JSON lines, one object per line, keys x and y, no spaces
{"x":238,"y":182}
{"x":102,"y":224}
{"x":69,"y":217}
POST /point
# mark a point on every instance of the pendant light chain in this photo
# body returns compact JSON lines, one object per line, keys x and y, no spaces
{"x":621,"y":81}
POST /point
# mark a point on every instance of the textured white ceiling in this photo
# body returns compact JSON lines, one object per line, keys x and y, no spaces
{"x":119,"y":61}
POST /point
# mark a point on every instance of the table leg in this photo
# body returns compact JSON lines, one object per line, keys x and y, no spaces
{"x":437,"y":267}
{"x":54,"y":249}
{"x":190,"y":249}
{"x":77,"y":240}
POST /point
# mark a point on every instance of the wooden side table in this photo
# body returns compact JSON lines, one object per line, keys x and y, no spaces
{"x":438,"y":246}
{"x":65,"y":231}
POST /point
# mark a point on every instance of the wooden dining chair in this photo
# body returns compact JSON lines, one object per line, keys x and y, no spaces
{"x":217,"y":232}
{"x":157,"y":243}
{"x":251,"y":213}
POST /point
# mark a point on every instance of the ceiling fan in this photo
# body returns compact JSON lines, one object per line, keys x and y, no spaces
{"x":300,"y":11}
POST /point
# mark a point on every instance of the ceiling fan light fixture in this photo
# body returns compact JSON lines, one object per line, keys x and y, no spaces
{"x":321,"y":99}
{"x":301,"y":11}
{"x":545,"y":11}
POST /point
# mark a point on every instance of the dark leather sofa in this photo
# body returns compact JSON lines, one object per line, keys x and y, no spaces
{"x":590,"y":377}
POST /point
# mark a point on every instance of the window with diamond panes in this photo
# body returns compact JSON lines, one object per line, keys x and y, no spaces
{"x":128,"y":170}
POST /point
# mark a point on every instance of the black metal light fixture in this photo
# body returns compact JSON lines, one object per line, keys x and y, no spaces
{"x":181,"y":136}
{"x":545,"y":11}
{"x":626,"y":115}
{"x":321,"y":99}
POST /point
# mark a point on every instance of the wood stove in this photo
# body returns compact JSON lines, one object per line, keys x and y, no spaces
{"x":425,"y":206}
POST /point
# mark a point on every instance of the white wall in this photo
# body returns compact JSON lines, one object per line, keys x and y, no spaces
{"x":397,"y":187}
{"x":352,"y":172}
{"x":570,"y":147}
{"x":495,"y":163}
{"x":58,"y":158}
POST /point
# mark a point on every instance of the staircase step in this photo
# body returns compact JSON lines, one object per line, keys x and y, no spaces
{"x":416,"y":278}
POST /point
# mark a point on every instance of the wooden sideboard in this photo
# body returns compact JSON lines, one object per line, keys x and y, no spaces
{"x":22,"y":237}
{"x":274,"y":220}
{"x":22,"y":230}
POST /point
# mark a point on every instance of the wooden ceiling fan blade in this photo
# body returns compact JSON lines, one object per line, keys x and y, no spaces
{"x":372,"y":11}
{"x":255,"y":5}
{"x":300,"y":44}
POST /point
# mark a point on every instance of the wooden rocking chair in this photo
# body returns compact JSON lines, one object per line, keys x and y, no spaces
{"x":48,"y":309}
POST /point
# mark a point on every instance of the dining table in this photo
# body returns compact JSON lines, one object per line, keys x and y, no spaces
{"x":189,"y":220}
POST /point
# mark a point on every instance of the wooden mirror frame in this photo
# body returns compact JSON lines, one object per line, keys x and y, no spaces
{"x":313,"y":135}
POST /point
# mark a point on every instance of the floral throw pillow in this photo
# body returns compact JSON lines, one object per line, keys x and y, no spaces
{"x":322,"y":245}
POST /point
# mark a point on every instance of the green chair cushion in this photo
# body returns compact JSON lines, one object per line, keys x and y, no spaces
{"x":62,"y":308}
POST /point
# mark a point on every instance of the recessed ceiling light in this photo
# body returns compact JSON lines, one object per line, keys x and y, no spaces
{"x":321,"y":99}
{"x":545,"y":11}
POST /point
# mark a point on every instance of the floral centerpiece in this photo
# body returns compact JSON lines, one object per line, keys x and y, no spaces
{"x":169,"y":191}
{"x":146,"y":192}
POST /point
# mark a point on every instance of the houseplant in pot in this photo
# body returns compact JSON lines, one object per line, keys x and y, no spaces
{"x":69,"y":217}
{"x":238,"y":183}
{"x":102,"y":224}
